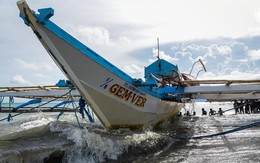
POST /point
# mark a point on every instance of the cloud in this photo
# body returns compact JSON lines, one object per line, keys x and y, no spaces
{"x":33,"y":66}
{"x":215,"y":50}
{"x":37,"y":72}
{"x":239,"y":49}
{"x":233,"y":75}
{"x":187,"y":54}
{"x":124,"y":39}
{"x":134,"y":71}
{"x":25,"y":65}
{"x":40,"y":75}
{"x":96,"y":35}
{"x":18,"y":79}
{"x":112,"y":29}
{"x":224,"y":58}
{"x":162,"y":56}
{"x":254,"y":54}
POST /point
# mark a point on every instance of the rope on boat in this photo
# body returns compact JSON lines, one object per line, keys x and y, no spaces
{"x":10,"y":117}
{"x":75,"y":109}
{"x":1,"y":100}
{"x":11,"y":101}
{"x":90,"y":118}
{"x":60,"y":114}
{"x":63,"y":109}
{"x":220,"y":133}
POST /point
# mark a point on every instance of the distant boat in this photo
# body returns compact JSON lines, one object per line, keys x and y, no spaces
{"x":118,"y":100}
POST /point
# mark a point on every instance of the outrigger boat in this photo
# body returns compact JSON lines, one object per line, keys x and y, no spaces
{"x":117,"y":99}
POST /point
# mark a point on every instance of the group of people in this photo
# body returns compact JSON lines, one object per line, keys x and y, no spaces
{"x":247,"y":106}
{"x":241,"y":107}
{"x":204,"y":112}
{"x":212,"y":112}
{"x":187,"y":114}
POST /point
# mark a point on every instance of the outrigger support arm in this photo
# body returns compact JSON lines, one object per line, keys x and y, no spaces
{"x":33,"y":101}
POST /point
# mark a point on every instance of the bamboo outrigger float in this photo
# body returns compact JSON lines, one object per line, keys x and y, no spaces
{"x":117,"y":99}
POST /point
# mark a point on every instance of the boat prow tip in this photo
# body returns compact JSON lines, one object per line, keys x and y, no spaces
{"x":20,"y":2}
{"x":43,"y":16}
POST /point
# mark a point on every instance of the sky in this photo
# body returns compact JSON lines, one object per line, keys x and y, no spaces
{"x":225,"y":35}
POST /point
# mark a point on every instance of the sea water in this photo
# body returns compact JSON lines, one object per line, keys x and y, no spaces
{"x":39,"y":137}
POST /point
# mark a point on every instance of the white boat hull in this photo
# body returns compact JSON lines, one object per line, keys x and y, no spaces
{"x":112,"y":110}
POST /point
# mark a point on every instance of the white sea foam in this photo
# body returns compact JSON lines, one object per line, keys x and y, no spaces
{"x":89,"y":146}
{"x":41,"y":121}
{"x":95,"y":144}
{"x":138,"y":138}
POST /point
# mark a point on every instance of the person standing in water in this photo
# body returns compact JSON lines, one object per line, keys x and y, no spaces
{"x":220,"y":111}
{"x":212,"y":112}
{"x":236,"y":106}
{"x":242,"y":111}
{"x":204,"y":112}
{"x":247,"y":107}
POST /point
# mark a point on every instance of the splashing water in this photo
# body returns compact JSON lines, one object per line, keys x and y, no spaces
{"x":39,"y":137}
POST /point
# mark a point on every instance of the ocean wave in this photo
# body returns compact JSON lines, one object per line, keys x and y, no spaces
{"x":39,"y":137}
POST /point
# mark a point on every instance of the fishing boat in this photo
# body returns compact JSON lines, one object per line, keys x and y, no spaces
{"x":118,"y":100}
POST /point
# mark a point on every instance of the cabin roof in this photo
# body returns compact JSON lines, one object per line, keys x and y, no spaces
{"x":159,"y":67}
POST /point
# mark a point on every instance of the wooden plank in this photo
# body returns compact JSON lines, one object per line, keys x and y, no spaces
{"x":227,"y":82}
{"x":227,"y":97}
{"x":32,"y":88}
{"x":40,"y":93}
{"x":222,"y":89}
{"x":3,"y":90}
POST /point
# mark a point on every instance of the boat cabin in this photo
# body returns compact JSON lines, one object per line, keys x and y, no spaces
{"x":159,"y":68}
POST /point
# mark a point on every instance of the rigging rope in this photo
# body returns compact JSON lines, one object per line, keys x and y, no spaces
{"x":60,"y":114}
{"x":11,"y":101}
{"x":1,"y":100}
{"x":75,"y":110}
{"x":63,"y":109}
{"x":90,"y":117}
